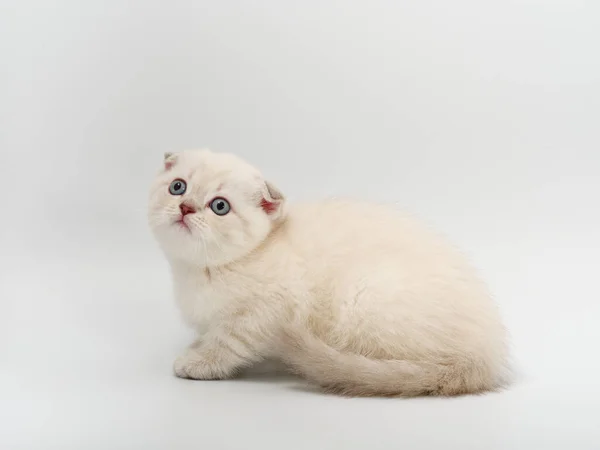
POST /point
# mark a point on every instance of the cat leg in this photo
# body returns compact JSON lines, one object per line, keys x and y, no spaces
{"x":221,"y":353}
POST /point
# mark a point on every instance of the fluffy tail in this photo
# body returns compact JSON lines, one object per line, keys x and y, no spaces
{"x":356,"y":375}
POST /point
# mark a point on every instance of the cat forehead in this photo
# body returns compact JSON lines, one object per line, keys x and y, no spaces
{"x":216,"y":164}
{"x":209,"y":171}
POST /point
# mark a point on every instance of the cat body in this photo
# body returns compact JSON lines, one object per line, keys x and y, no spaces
{"x":355,"y":297}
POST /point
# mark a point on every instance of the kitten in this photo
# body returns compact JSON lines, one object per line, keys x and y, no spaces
{"x":354,"y":297}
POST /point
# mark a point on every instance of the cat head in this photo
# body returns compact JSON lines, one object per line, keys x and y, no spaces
{"x":210,"y":208}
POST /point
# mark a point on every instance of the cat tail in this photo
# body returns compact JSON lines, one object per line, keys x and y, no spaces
{"x":352,"y":374}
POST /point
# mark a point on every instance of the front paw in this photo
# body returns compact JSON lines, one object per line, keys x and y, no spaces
{"x":191,"y":365}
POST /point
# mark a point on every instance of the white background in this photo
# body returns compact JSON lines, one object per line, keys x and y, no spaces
{"x":479,"y":116}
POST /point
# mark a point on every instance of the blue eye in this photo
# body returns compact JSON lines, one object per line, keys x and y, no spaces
{"x":220,"y":206}
{"x":177,"y":187}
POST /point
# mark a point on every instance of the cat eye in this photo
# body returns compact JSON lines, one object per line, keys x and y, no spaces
{"x":177,"y":187}
{"x":220,"y":206}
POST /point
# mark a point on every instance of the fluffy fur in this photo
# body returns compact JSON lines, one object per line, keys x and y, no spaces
{"x":355,"y":297}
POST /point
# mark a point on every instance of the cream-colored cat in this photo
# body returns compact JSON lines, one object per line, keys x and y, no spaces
{"x":353,"y":296}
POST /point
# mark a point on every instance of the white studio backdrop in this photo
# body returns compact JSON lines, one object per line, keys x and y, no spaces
{"x":479,"y":116}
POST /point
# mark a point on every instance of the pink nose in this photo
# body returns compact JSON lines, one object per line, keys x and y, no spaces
{"x":186,"y":209}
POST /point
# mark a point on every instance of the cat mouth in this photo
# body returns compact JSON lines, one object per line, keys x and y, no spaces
{"x":180,"y":223}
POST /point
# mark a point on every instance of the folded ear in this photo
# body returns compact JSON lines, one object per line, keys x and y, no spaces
{"x":169,"y":160}
{"x":272,"y":201}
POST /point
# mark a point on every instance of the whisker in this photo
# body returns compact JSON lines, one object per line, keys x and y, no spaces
{"x":203,"y":228}
{"x":217,"y":270}
{"x":205,"y":252}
